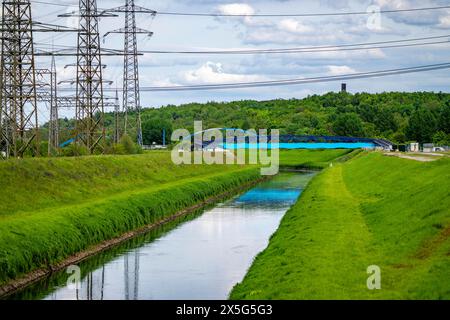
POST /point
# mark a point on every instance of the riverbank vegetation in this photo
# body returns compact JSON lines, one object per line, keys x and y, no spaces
{"x":373,"y":210}
{"x":37,"y":183}
{"x":53,"y":208}
{"x":312,"y":159}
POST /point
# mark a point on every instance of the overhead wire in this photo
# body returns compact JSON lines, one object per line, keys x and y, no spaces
{"x":361,"y":75}
{"x":343,"y":47}
{"x":312,"y":14}
{"x":280,"y":51}
{"x":325,"y":14}
{"x":328,"y":48}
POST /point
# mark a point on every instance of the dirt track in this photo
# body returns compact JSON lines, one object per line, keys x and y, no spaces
{"x":422,"y":158}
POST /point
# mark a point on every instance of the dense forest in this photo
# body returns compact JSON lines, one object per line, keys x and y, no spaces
{"x":396,"y":116}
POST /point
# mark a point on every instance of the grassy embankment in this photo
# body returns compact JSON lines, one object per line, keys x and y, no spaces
{"x":53,"y":208}
{"x":313,"y":159}
{"x":41,"y":289}
{"x":372,"y":210}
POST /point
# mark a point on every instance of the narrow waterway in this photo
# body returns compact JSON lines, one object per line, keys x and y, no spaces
{"x":201,"y":256}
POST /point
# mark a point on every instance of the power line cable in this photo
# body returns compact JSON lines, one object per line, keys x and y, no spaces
{"x":314,"y":14}
{"x":56,"y":4}
{"x":48,"y":15}
{"x":268,"y":51}
{"x":327,"y":48}
{"x":239,"y":85}
{"x":325,"y":14}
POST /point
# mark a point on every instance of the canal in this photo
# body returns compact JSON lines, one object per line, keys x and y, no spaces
{"x":200,"y":256}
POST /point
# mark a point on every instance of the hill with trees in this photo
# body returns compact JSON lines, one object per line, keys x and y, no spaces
{"x":397,"y":116}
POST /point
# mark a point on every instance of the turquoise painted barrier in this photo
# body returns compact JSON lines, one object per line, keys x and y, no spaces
{"x":305,"y":145}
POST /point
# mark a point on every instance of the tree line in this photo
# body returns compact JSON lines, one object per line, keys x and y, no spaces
{"x":399,"y":117}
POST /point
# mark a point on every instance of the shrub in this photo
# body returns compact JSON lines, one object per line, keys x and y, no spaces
{"x":75,"y":150}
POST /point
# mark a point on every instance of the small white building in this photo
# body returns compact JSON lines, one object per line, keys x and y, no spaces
{"x":414,"y":147}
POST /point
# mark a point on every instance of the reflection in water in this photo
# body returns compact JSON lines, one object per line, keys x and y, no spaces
{"x":269,"y":198}
{"x":132,"y":277}
{"x":200,"y":257}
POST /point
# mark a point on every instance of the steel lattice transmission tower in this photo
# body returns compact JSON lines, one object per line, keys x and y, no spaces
{"x":53,"y":134}
{"x":18,"y":115}
{"x":89,"y":105}
{"x":131,"y":96}
{"x":46,"y":85}
{"x":117,"y":118}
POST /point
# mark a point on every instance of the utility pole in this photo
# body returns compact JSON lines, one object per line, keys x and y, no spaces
{"x":18,"y":114}
{"x":131,"y":95}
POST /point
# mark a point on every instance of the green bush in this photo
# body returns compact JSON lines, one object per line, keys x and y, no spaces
{"x":128,"y":146}
{"x":75,"y":150}
{"x":124,"y":147}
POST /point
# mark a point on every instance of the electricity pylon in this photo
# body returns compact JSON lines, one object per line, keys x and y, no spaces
{"x":53,"y":134}
{"x":131,"y":96}
{"x":117,"y":119}
{"x":90,"y":127}
{"x":46,"y":78}
{"x":18,"y":101}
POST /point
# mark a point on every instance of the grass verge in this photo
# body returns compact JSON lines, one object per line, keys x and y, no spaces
{"x":52,"y":209}
{"x":37,"y":239}
{"x":372,"y":210}
{"x":30,"y":185}
{"x":311,"y":159}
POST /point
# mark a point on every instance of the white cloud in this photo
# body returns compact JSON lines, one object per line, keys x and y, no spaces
{"x":242,"y":9}
{"x":65,"y":74}
{"x":376,"y":53}
{"x":213,"y":73}
{"x":236,"y":9}
{"x":357,"y":54}
{"x":394,"y":4}
{"x":294,"y":26}
{"x":162,"y":83}
{"x":340,"y":70}
{"x":444,"y":22}
{"x":419,"y":18}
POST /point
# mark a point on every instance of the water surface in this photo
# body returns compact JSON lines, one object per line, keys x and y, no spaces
{"x":201,"y":256}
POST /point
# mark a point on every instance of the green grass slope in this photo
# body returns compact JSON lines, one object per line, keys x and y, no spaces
{"x":52,"y":209}
{"x":311,"y":159}
{"x":36,"y":184}
{"x":372,"y":210}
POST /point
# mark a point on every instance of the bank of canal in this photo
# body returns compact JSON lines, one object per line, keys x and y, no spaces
{"x":201,"y":256}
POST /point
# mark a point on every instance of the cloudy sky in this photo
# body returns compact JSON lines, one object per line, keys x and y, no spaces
{"x":211,"y":33}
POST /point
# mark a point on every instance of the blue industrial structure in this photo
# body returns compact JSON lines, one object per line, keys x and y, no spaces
{"x":304,"y":142}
